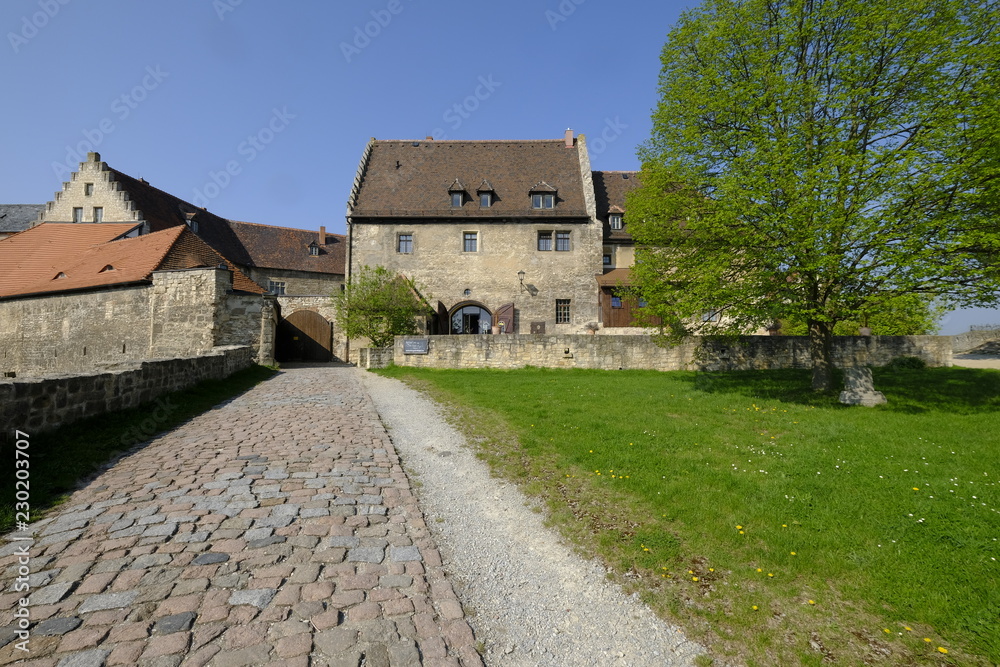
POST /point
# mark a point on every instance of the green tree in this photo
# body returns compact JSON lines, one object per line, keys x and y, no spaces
{"x":378,"y":304}
{"x":914,"y":315}
{"x":820,"y":160}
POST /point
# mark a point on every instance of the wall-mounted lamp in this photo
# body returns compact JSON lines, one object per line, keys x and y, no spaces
{"x":520,"y":278}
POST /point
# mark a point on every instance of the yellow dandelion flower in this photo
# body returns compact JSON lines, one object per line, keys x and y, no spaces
{"x":759,"y":570}
{"x":784,"y":525}
{"x":770,"y":574}
{"x":908,"y":628}
{"x":942,"y":649}
{"x":916,"y":488}
{"x":927,"y":639}
{"x":690,"y":571}
{"x":694,"y":578}
{"x":793,"y":553}
{"x":711,"y":569}
{"x":812,"y":602}
{"x":755,"y":607}
{"x":886,"y":631}
{"x":738,"y":527}
{"x":742,"y":533}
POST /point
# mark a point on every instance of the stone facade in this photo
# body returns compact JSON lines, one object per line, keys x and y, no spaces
{"x":41,"y":404}
{"x":489,"y":277}
{"x":183,"y":313}
{"x":92,"y":186}
{"x":323,"y":305}
{"x":298,"y":283}
{"x":641,"y":353}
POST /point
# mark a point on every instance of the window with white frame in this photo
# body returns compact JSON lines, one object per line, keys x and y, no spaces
{"x":562,"y":241}
{"x":78,"y":214}
{"x":470,"y":241}
{"x":543,"y":200}
{"x":98,"y":214}
{"x":615,"y":220}
{"x":276,"y":287}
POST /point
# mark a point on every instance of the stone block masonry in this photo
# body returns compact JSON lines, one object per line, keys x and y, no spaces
{"x":640,"y":352}
{"x":42,"y":404}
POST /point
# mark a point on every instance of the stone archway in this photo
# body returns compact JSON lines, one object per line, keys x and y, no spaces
{"x":470,"y":317}
{"x":304,"y":336}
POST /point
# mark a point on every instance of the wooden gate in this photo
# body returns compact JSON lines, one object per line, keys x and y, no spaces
{"x":304,"y":336}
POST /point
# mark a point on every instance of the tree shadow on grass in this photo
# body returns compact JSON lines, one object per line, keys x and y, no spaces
{"x":951,"y":390}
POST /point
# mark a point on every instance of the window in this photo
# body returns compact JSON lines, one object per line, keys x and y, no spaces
{"x":607,"y":260}
{"x":88,"y":189}
{"x":193,"y":225}
{"x":470,"y":241}
{"x":562,"y":311}
{"x":78,"y":214}
{"x":615,"y":220}
{"x":616,"y":302}
{"x":276,"y":286}
{"x":456,"y":199}
{"x":485,"y":199}
{"x":545,"y":240}
{"x":314,"y":249}
{"x":543,"y":201}
{"x":404,"y":243}
{"x":98,"y":214}
{"x":642,"y":302}
{"x":562,"y":241}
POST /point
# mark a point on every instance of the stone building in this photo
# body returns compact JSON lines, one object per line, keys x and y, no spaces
{"x":303,"y":268}
{"x":79,"y":297}
{"x":495,"y":233}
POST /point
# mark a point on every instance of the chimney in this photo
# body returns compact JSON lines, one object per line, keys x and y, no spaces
{"x":93,"y":156}
{"x":322,"y":235}
{"x":429,"y":138}
{"x":569,"y":138}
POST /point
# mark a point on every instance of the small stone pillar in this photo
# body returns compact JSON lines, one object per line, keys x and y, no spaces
{"x":859,"y":389}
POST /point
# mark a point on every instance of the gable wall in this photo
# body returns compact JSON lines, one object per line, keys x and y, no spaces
{"x":116,"y":207}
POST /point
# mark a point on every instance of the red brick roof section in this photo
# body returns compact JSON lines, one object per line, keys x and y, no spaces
{"x":69,"y":252}
{"x":615,"y":277}
{"x":610,"y":188}
{"x":286,"y":248}
{"x":412,"y":178}
{"x":38,"y":254}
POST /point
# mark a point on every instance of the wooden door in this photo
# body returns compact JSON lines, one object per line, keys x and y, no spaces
{"x":304,"y":336}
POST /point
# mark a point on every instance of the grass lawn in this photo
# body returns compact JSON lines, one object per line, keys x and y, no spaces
{"x":777,"y":526}
{"x":59,"y":459}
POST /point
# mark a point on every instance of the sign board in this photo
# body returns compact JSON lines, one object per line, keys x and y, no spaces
{"x":415,"y":346}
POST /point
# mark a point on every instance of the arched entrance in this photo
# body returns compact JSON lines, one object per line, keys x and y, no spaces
{"x":304,"y":336}
{"x":470,"y":318}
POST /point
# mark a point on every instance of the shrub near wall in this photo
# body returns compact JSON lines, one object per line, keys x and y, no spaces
{"x":42,"y":404}
{"x":640,"y":352}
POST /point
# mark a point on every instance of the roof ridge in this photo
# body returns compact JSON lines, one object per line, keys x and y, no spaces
{"x":472,"y":141}
{"x":294,"y":229}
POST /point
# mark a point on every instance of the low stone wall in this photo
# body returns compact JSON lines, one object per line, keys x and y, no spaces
{"x":970,"y":340}
{"x":45,"y":403}
{"x":376,"y":357}
{"x":640,"y":352}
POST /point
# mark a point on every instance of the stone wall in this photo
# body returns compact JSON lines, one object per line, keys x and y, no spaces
{"x":182,"y":313}
{"x":970,"y":340}
{"x":640,"y":352}
{"x":299,"y":283}
{"x":105,"y":193}
{"x":45,"y":403}
{"x":323,"y":305}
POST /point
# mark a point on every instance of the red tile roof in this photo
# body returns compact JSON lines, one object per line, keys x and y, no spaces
{"x":83,"y":256}
{"x":274,"y":247}
{"x":615,"y":277}
{"x":412,"y":178}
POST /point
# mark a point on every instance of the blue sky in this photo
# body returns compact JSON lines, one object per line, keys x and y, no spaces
{"x":260,"y":110}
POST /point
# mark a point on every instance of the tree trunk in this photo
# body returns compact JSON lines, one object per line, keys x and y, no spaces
{"x":820,"y":341}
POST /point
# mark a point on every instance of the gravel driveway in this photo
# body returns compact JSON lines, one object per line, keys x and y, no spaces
{"x":529,"y":598}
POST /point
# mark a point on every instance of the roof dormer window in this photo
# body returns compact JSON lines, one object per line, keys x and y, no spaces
{"x":615,"y":220}
{"x":59,"y":276}
{"x":314,"y":249}
{"x":107,"y":267}
{"x":543,"y":195}
{"x":485,"y":192}
{"x":457,"y":194}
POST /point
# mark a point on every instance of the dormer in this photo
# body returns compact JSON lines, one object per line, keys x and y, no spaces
{"x":543,"y":195}
{"x":191,"y":222}
{"x":486,"y":194}
{"x":313,"y":249}
{"x":615,"y":216}
{"x":456,"y":194}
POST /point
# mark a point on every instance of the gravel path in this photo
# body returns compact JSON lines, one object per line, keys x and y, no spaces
{"x":529,"y":598}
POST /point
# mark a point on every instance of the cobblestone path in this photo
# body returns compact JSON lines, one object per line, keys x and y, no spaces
{"x":277,"y":529}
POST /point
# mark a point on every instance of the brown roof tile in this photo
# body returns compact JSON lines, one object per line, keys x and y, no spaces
{"x":39,"y":253}
{"x":610,"y":188}
{"x":412,"y":178}
{"x":286,"y":248}
{"x":70,"y":251}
